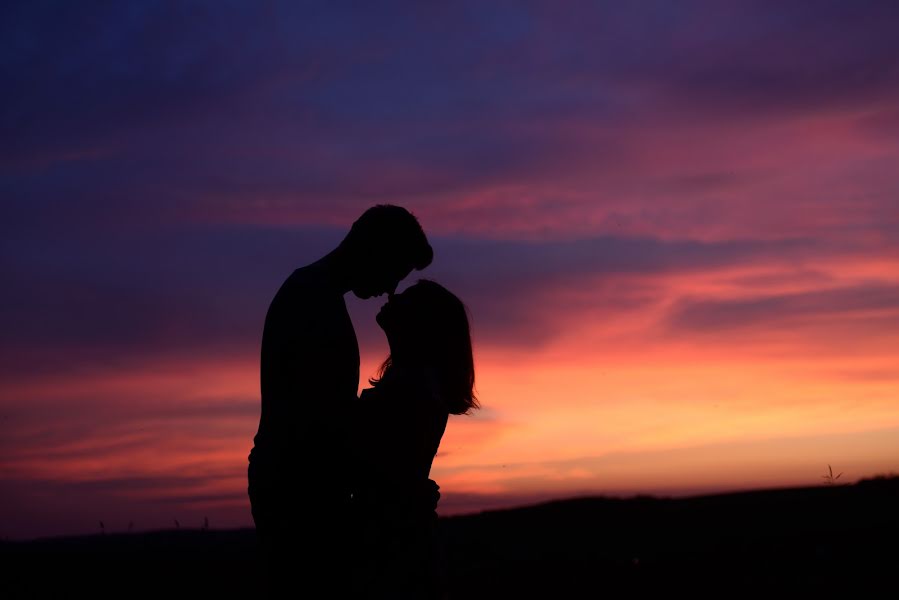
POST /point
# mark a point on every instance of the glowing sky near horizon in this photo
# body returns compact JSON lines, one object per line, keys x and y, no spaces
{"x":676,"y":227}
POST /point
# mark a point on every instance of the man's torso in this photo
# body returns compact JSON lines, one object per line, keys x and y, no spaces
{"x":309,"y":372}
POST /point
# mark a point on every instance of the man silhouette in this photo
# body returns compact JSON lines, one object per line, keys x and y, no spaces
{"x":298,"y":472}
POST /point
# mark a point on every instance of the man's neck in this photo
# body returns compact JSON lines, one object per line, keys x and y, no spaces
{"x":334,"y":268}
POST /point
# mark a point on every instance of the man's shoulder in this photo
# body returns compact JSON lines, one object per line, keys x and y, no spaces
{"x":306,"y":296}
{"x":306,"y":274}
{"x":305,"y":284}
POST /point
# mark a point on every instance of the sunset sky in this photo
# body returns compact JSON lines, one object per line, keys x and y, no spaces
{"x":675,"y":224}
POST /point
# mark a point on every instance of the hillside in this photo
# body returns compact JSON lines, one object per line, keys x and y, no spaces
{"x":810,"y":540}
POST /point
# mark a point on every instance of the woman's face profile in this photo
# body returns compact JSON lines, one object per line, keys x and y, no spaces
{"x":399,"y":320}
{"x":392,"y":312}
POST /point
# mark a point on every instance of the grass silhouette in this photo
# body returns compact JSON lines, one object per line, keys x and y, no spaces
{"x":829,"y":479}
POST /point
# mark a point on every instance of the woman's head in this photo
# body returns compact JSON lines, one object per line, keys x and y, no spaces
{"x":427,"y":327}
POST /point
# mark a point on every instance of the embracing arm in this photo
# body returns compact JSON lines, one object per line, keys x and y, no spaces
{"x":397,"y":428}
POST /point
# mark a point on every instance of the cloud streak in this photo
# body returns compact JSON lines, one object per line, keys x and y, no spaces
{"x":806,"y":308}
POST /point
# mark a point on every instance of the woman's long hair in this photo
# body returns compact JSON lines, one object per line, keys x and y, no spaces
{"x":439,"y":337}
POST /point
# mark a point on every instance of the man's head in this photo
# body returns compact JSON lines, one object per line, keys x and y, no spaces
{"x":382,"y":248}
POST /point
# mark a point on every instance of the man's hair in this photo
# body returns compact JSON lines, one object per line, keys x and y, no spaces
{"x":392,"y":230}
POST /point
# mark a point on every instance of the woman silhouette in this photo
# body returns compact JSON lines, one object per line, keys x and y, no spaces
{"x":398,"y":424}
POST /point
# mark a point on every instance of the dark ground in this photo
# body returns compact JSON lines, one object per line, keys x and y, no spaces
{"x":826,"y":541}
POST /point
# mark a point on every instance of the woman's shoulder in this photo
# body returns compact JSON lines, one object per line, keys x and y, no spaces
{"x":422,"y":380}
{"x":401,"y":384}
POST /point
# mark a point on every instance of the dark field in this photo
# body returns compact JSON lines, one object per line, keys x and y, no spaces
{"x":804,"y":542}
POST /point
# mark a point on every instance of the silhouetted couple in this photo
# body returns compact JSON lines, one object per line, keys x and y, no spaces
{"x":339,"y":484}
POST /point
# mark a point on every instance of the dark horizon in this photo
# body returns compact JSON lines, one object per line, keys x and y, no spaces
{"x":481,"y":506}
{"x":642,"y":547}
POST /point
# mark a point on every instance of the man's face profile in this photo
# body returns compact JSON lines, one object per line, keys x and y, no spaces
{"x":382,"y":279}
